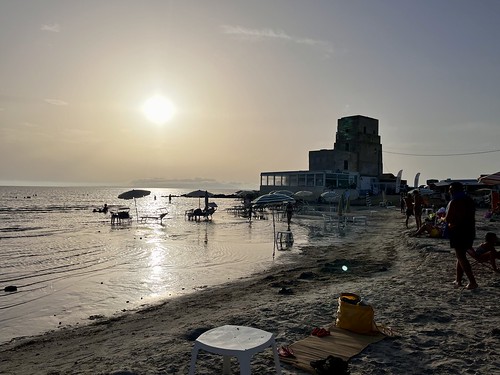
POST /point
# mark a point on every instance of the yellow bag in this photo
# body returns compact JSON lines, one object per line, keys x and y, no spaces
{"x":355,"y":316}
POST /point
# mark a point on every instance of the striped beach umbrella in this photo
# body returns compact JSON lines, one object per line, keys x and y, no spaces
{"x":491,"y":179}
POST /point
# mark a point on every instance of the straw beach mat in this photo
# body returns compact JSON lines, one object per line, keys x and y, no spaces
{"x":341,"y":343}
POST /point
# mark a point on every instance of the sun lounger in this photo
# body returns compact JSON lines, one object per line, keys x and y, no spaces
{"x":158,"y":217}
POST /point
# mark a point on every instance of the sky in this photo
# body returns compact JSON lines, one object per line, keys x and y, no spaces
{"x":255,"y":86}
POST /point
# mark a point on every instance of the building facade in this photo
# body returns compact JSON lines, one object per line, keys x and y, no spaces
{"x":354,"y":163}
{"x":357,"y":147}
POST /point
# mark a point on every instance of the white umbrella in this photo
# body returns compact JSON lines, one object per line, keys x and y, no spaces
{"x":133,"y":194}
{"x":272,"y":200}
{"x":330,"y":196}
{"x":303,"y":194}
{"x":283,"y":192}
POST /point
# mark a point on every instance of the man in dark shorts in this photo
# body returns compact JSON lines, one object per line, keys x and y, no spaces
{"x":460,"y":216}
{"x":418,"y":204}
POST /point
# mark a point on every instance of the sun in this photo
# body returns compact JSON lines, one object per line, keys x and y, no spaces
{"x":158,"y":109}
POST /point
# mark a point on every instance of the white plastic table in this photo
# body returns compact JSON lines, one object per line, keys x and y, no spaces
{"x":235,"y":341}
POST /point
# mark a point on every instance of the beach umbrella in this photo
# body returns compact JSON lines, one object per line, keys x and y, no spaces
{"x":134,"y":194}
{"x":303,"y":194}
{"x":272,"y":200}
{"x":198,"y":194}
{"x":245,"y":193}
{"x":283,"y":192}
{"x":422,"y":191}
{"x":491,"y":179}
{"x":330,"y":196}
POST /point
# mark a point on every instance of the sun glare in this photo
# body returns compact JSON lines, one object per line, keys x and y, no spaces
{"x":158,"y":109}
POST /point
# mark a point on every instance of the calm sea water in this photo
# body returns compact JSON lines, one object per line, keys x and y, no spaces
{"x":69,"y":263}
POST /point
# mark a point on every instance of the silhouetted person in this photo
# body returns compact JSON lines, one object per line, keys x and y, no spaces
{"x":460,"y":216}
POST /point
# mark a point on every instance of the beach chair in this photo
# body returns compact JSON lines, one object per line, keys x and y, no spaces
{"x":159,"y":217}
{"x":477,"y":261}
{"x":120,"y":215}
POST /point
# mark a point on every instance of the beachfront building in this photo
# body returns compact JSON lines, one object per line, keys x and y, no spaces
{"x":354,"y":163}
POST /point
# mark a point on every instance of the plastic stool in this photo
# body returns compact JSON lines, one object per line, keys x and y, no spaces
{"x":235,"y":341}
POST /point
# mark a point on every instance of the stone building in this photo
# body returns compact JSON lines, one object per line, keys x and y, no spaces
{"x":354,"y":163}
{"x":357,"y":148}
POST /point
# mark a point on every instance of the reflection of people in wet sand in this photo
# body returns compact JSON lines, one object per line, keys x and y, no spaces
{"x":487,"y":252}
{"x":460,"y":216}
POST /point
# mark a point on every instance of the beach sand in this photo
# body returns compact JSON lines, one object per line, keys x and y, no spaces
{"x":408,"y":281}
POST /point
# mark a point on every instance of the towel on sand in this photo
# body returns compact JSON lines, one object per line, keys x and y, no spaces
{"x":341,"y":343}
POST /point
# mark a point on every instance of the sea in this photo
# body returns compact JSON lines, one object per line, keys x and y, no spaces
{"x":71,"y":265}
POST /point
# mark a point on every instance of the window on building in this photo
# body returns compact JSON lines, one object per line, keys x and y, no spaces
{"x":285,"y":180}
{"x":302,"y":179}
{"x":346,"y":165}
{"x":347,"y":146}
{"x":319,"y":179}
{"x":277,"y":180}
{"x":310,"y":179}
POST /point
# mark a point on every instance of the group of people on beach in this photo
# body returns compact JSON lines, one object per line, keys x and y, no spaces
{"x":457,"y":223}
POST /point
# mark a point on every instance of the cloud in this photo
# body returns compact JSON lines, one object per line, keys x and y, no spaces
{"x":53,"y":28}
{"x":55,"y":102}
{"x":270,"y":34}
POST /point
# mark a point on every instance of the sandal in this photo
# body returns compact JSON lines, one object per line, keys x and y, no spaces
{"x":322,"y":333}
{"x":286,"y":352}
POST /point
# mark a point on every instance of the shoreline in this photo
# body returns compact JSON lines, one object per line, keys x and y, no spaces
{"x":406,"y":279}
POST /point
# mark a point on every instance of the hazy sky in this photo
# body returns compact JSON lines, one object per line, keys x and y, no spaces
{"x":255,"y":84}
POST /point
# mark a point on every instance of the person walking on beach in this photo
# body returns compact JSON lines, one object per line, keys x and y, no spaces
{"x":460,"y":216}
{"x":409,"y":208}
{"x":418,"y":204}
